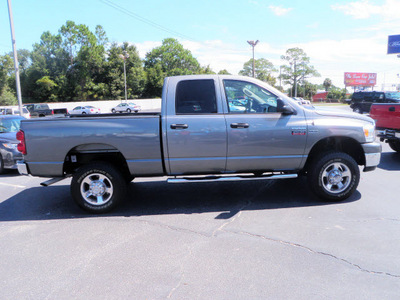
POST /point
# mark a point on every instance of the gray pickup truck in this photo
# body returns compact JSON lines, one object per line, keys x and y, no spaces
{"x":210,"y":127}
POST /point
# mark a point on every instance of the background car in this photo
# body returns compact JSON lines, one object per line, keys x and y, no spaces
{"x":126,"y":107}
{"x":361,"y":101}
{"x":302,"y":101}
{"x":83,"y":110}
{"x":9,"y":155}
{"x":14,"y":110}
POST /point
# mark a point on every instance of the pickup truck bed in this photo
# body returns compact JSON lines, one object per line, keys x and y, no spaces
{"x":134,"y":137}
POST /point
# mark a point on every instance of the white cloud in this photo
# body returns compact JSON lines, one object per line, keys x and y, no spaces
{"x":365,"y":9}
{"x":279,"y":10}
{"x":146,"y":47}
{"x":331,"y":58}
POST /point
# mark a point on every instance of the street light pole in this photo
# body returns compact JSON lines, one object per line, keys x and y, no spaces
{"x":253,"y":44}
{"x":124,"y":57}
{"x":16,"y":65}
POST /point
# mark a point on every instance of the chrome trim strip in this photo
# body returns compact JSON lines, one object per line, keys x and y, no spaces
{"x":226,"y":178}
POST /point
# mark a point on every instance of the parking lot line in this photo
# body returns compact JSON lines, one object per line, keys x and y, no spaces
{"x":13,"y":185}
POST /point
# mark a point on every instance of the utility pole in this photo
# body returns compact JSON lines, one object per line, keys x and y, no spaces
{"x":253,"y":44}
{"x":295,"y":80}
{"x":16,"y":65}
{"x":124,"y":57}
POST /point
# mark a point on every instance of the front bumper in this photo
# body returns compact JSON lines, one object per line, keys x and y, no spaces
{"x":388,"y":134}
{"x":372,"y":155}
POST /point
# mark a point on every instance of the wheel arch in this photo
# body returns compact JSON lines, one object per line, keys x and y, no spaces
{"x":338,"y":143}
{"x":88,"y":153}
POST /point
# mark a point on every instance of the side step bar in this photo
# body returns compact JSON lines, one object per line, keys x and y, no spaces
{"x":229,"y":178}
{"x":52,"y":181}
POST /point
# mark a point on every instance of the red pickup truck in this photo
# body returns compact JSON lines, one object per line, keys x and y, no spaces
{"x":387,"y":118}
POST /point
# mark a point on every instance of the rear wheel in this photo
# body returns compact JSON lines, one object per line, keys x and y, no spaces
{"x":98,"y":187}
{"x":333,"y":176}
{"x":128,"y":110}
{"x":395,"y":145}
{"x":1,"y":165}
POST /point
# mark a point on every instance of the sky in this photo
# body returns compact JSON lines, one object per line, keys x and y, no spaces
{"x":339,"y":36}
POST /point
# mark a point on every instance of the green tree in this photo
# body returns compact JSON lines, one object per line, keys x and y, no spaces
{"x":7,"y":95}
{"x":297,"y":68}
{"x":169,"y":59}
{"x":263,"y":70}
{"x":327,"y":84}
{"x":173,"y":59}
{"x":87,"y":57}
{"x":46,"y":89}
{"x":135,"y":75}
{"x":224,"y":72}
{"x":307,"y":90}
{"x":336,"y":93}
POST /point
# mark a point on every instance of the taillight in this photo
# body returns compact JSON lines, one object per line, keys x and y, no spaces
{"x":21,"y":138}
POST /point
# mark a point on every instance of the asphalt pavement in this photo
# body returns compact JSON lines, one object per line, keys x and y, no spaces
{"x":233,"y":240}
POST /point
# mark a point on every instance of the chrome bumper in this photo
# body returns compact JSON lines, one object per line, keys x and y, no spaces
{"x":22,"y":168}
{"x":372,"y":155}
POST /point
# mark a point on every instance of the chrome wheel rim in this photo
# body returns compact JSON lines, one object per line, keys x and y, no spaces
{"x":336,"y":178}
{"x":97,"y":189}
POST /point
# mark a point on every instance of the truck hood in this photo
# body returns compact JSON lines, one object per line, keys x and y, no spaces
{"x":338,"y":113}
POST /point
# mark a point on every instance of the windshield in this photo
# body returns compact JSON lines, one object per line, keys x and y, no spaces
{"x":9,"y":124}
{"x":393,"y":95}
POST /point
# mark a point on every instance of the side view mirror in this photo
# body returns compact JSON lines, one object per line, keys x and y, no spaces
{"x":284,"y":108}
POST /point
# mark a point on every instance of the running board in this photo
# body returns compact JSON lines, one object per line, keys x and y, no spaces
{"x":52,"y":181}
{"x":230,"y":178}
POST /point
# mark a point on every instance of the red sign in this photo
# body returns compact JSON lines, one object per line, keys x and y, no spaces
{"x":359,"y":79}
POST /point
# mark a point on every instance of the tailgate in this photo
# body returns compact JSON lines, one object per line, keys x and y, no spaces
{"x":386,"y":115}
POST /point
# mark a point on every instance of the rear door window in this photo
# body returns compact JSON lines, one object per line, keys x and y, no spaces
{"x":196,"y":97}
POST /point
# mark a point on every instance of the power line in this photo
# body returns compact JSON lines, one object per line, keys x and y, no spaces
{"x":144,"y":20}
{"x":161,"y":27}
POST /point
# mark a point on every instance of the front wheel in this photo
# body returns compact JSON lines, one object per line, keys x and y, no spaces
{"x":113,"y":111}
{"x":333,"y":176}
{"x":98,"y":187}
{"x":395,"y":145}
{"x":128,"y":110}
{"x":357,"y":110}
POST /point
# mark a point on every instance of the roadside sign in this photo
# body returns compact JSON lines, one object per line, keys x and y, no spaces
{"x":359,"y":79}
{"x":394,"y":44}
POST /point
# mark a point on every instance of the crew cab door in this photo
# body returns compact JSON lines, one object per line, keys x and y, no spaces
{"x":260,"y":138}
{"x":195,"y":126}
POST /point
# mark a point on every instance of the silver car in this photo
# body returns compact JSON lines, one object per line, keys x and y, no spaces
{"x":127,"y":107}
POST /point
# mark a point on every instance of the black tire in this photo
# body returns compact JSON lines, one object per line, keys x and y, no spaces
{"x":395,"y":145}
{"x":98,"y":182}
{"x":333,"y":176}
{"x":357,"y":110}
{"x":113,"y":111}
{"x":83,"y":113}
{"x":128,"y":110}
{"x":1,"y":165}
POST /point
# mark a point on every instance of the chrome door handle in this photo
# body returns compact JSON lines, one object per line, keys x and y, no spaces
{"x":179,"y":126}
{"x":240,"y":125}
